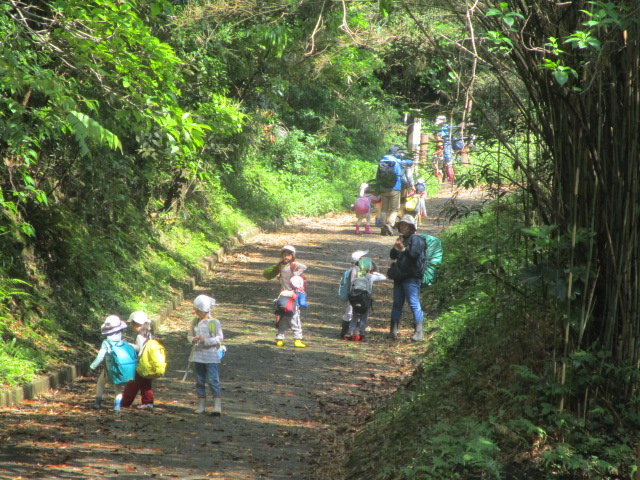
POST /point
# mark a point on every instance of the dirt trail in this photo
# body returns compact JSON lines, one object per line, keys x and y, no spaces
{"x":287,"y":412}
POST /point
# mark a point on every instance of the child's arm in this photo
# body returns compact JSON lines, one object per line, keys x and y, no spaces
{"x":215,"y":334}
{"x":100,"y":357}
{"x":299,"y":268}
{"x":192,"y":332}
{"x":377,"y":277}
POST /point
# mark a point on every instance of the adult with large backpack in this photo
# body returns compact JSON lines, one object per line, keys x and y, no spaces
{"x":389,"y":183}
{"x":406,"y":271}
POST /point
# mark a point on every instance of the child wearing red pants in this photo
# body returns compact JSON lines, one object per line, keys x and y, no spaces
{"x":141,"y":326}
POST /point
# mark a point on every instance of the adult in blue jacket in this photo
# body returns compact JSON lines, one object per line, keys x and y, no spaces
{"x":390,"y":199}
{"x":408,"y":253}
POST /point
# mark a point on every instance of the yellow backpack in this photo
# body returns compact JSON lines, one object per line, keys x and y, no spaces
{"x":153,"y":360}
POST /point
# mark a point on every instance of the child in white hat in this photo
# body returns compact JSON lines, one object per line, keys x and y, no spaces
{"x":289,"y":268}
{"x":112,"y":328}
{"x":354,"y":270}
{"x":205,"y":334}
{"x":141,"y":325}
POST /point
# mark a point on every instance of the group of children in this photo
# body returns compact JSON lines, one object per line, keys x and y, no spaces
{"x":205,"y":335}
{"x":365,"y":205}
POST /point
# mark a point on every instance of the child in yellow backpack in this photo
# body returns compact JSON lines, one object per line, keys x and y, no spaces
{"x":141,"y":326}
{"x":206,"y":337}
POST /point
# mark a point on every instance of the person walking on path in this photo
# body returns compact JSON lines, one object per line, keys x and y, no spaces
{"x":361,"y":299}
{"x":408,"y":253}
{"x":141,"y":325}
{"x":112,"y":328}
{"x":289,"y":268}
{"x":390,"y":197}
{"x":205,"y":334}
{"x":344,"y":287}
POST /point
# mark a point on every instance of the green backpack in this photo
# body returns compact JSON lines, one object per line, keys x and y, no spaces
{"x":432,"y":258}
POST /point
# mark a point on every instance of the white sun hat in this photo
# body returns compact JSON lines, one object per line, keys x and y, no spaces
{"x":204,"y":303}
{"x":112,"y":324}
{"x":358,"y":254}
{"x":139,"y":317}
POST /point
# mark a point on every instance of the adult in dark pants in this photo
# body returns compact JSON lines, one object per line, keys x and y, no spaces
{"x":408,"y":253}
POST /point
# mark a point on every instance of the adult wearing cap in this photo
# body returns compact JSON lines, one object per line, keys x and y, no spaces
{"x":408,"y":253}
{"x":355,"y":269}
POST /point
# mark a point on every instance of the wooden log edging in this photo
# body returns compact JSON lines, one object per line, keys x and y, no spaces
{"x":70,"y":373}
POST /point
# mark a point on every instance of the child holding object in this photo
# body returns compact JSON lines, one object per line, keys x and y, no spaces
{"x":112,"y":329}
{"x":141,"y":326}
{"x":289,"y":269}
{"x":205,"y":334}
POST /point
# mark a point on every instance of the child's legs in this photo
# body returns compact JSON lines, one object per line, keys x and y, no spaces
{"x":283,"y":326}
{"x":101,"y":382}
{"x":213,"y":378}
{"x":146,"y":391}
{"x":296,"y":324}
{"x":364,"y":321}
{"x":130,"y":391}
{"x":200,"y":372}
{"x":348,"y":314}
{"x":353,"y":325}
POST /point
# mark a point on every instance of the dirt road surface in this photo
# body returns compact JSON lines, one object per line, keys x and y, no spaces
{"x":288,"y":413}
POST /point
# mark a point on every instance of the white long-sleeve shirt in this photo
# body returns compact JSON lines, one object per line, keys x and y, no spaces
{"x":206,"y":351}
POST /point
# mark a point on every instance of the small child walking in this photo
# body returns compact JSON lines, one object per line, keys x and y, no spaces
{"x":141,"y":326}
{"x":363,"y":208}
{"x":289,"y":268}
{"x":112,"y":328}
{"x":205,"y":334}
{"x":367,"y":276}
{"x":354,"y":270}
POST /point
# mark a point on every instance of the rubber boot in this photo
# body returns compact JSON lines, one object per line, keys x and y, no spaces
{"x":357,"y":229}
{"x":98,"y":404}
{"x":201,"y":405}
{"x":393,"y":331}
{"x":367,"y":230}
{"x":217,"y":407}
{"x":345,"y":329}
{"x":417,"y":335}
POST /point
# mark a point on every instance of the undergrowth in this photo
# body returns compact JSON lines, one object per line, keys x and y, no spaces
{"x":485,"y":402}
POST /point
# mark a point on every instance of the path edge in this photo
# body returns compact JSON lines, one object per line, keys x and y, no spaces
{"x":70,"y":373}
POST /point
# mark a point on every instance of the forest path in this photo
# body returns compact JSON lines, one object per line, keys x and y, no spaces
{"x":287,"y":412}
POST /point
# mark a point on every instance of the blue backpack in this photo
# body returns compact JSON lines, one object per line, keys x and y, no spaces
{"x":121,"y":361}
{"x":345,"y":284}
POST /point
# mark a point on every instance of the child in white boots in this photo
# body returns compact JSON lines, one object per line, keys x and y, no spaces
{"x":205,"y":334}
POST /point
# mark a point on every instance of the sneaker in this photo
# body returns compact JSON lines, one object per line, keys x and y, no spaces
{"x":279,"y":343}
{"x":145,"y":406}
{"x":299,"y":343}
{"x":347,"y":338}
{"x":355,"y":338}
{"x":97,"y":405}
{"x":362,"y":338}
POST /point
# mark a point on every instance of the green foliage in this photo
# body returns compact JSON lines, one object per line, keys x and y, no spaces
{"x":487,"y":389}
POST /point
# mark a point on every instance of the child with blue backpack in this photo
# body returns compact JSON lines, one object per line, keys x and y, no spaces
{"x":112,"y":328}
